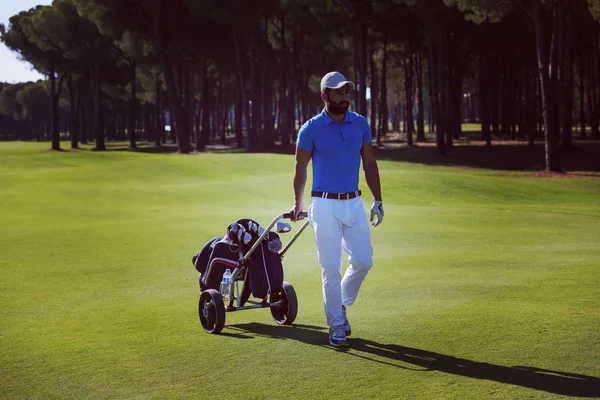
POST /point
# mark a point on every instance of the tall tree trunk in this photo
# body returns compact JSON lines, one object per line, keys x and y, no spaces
{"x":355,"y":65}
{"x":267,"y":106}
{"x":238,"y":117}
{"x":177,"y":119}
{"x":159,"y":118}
{"x":361,"y":33}
{"x":112,"y":118}
{"x":89,"y":117}
{"x":288,"y":115}
{"x":81,"y":106}
{"x":54,"y":118}
{"x":396,"y":118}
{"x":243,"y":94}
{"x":420,"y":105}
{"x":122,"y":128}
{"x":265,"y":140}
{"x":567,"y":85}
{"x":547,"y":91}
{"x":203,"y":137}
{"x":231,"y":99}
{"x":191,"y":101}
{"x":596,"y":116}
{"x":73,"y":113}
{"x":185,"y":66}
{"x":590,"y":92}
{"x":97,"y":93}
{"x":149,"y":125}
{"x":432,"y":82}
{"x":593,"y":92}
{"x":445,"y":83}
{"x":224,"y":107}
{"x":438,"y":90}
{"x":408,"y":91}
{"x":434,"y":91}
{"x":383,"y":105}
{"x":531,"y":108}
{"x":373,"y":86}
{"x":505,"y":98}
{"x":456,"y":92}
{"x":582,"y":124}
{"x":268,"y":133}
{"x":217,"y":104}
{"x":494,"y":86}
{"x":516,"y":99}
{"x":132,"y":106}
{"x":198,"y":126}
{"x":484,"y":98}
{"x":255,"y":86}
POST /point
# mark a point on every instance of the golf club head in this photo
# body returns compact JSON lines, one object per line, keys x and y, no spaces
{"x":275,"y":245}
{"x":252,"y":227}
{"x":232,"y":231}
{"x":282,"y":227}
{"x":240,"y":233}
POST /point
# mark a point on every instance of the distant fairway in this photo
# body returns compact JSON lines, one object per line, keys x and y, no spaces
{"x":486,"y":284}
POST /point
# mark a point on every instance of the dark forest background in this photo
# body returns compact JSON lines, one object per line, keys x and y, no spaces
{"x":246,"y":73}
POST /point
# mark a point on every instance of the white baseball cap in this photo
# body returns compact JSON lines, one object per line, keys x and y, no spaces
{"x":334,"y":80}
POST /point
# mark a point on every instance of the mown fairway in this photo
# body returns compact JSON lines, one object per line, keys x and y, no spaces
{"x":486,"y":284}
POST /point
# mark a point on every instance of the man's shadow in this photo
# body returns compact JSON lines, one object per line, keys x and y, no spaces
{"x":557,"y":382}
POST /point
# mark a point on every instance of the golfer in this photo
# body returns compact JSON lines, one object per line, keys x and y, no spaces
{"x":336,"y":140}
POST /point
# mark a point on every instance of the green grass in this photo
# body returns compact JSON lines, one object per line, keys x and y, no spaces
{"x":486,"y":284}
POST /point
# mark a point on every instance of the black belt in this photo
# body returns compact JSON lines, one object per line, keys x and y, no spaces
{"x":336,"y":196}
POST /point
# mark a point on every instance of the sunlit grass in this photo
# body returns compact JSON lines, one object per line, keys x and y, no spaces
{"x":485,"y":284}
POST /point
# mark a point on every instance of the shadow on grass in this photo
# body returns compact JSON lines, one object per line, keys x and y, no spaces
{"x":505,"y":156}
{"x":150,"y":149}
{"x":170,"y":148}
{"x":502,"y":155}
{"x":557,"y":382}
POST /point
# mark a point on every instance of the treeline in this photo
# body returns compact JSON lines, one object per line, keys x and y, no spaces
{"x":248,"y":71}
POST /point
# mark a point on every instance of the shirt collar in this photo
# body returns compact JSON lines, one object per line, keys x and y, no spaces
{"x":328,"y":120}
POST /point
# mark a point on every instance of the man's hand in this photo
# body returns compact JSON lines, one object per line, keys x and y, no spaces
{"x":296,"y":212}
{"x":376,"y":210}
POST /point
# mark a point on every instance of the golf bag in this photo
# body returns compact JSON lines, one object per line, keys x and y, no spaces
{"x":264,"y":273}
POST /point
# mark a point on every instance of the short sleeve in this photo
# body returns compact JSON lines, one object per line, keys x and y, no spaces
{"x":306,"y":138}
{"x":366,"y":136}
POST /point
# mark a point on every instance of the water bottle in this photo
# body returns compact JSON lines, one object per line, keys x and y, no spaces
{"x":226,"y":285}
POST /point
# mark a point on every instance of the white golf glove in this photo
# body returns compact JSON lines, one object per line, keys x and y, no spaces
{"x":376,"y":210}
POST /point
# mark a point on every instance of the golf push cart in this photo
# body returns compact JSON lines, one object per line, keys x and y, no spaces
{"x":246,"y":262}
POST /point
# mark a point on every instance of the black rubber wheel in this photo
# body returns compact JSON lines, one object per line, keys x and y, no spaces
{"x":284,"y":305}
{"x":211,"y":311}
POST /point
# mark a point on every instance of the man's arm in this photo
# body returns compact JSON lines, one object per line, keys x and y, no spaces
{"x":371,"y":170}
{"x":302,"y":159}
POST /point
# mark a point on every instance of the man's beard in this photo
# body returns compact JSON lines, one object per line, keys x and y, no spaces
{"x":338,"y":108}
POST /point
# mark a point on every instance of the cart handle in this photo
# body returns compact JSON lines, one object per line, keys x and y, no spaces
{"x":289,"y":215}
{"x":268,"y":229}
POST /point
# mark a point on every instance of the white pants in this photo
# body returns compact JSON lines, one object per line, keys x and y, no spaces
{"x":341,"y":224}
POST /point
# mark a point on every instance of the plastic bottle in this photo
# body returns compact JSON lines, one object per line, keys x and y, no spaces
{"x":226,"y":285}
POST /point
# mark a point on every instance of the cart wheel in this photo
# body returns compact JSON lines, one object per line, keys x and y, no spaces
{"x":212,"y":311}
{"x":284,"y":305}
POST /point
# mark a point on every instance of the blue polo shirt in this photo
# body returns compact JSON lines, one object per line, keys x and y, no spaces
{"x":335,"y":150}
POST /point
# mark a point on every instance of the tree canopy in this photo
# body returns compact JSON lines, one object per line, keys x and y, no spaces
{"x":248,"y":71}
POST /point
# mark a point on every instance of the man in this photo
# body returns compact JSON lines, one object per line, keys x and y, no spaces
{"x":336,"y":140}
